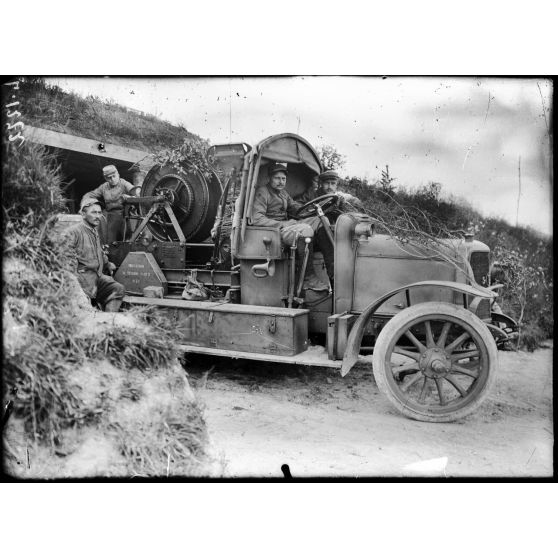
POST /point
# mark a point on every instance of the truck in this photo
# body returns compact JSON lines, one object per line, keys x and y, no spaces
{"x":420,"y":316}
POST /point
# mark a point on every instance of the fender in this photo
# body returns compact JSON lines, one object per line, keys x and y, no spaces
{"x":501,"y":337}
{"x":498,"y":317}
{"x":503,"y":328}
{"x":355,"y":337}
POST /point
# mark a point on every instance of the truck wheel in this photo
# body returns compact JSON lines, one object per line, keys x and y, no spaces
{"x":435,"y":362}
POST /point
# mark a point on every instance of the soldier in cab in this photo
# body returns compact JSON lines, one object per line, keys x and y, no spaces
{"x":328,"y":183}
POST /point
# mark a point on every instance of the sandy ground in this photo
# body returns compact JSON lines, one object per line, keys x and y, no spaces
{"x":262,"y":416}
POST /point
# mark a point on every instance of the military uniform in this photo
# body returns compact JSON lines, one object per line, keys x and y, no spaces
{"x":90,"y":261}
{"x":112,"y":196}
{"x":274,"y":208}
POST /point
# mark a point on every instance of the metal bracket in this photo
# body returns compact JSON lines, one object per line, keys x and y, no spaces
{"x":160,"y":203}
{"x":273,"y":324}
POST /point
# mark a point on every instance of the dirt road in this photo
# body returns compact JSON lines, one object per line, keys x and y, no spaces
{"x":262,"y":416}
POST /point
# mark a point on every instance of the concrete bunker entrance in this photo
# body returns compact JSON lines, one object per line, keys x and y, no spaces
{"x":82,"y":160}
{"x":83,"y":172}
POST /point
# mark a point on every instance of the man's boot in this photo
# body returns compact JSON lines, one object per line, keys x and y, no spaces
{"x":326,"y":248}
{"x":311,"y":280}
{"x":113,"y":305}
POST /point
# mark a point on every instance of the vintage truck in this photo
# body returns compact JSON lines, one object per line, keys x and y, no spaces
{"x":420,"y":316}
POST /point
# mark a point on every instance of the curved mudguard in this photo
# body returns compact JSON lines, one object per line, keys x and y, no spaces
{"x":355,"y":337}
{"x":503,"y":328}
{"x":498,"y":317}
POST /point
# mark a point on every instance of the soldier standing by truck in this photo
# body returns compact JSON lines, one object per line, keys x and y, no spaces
{"x":274,"y":207}
{"x":112,"y":193}
{"x":90,"y":261}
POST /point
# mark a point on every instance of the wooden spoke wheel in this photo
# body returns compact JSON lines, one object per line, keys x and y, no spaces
{"x":435,"y":361}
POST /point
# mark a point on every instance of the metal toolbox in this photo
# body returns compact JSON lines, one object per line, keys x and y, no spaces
{"x":236,"y":327}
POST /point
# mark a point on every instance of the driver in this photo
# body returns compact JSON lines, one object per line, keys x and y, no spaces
{"x":274,"y":207}
{"x":328,"y":183}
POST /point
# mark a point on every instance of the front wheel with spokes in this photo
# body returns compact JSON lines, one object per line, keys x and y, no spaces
{"x":435,"y":361}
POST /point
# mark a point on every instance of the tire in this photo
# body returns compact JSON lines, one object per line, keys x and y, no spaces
{"x":431,"y":382}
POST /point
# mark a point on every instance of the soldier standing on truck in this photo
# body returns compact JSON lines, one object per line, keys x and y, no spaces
{"x":274,"y":207}
{"x":90,"y":261}
{"x":112,"y":193}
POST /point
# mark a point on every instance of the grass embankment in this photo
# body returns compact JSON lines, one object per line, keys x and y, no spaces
{"x":135,"y":393}
{"x":49,"y":106}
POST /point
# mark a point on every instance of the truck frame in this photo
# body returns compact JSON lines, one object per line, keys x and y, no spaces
{"x":421,"y":316}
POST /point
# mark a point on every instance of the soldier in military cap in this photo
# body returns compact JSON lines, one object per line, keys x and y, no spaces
{"x":328,"y":182}
{"x":91,"y":264}
{"x":274,"y":207}
{"x":112,"y":194}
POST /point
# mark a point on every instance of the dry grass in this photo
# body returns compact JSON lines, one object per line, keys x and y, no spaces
{"x":173,"y":442}
{"x":31,"y":187}
{"x":126,"y":348}
{"x":50,"y":107}
{"x":46,"y":344}
{"x":37,"y":293}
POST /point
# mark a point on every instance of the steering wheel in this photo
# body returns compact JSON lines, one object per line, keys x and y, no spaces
{"x":327,"y":202}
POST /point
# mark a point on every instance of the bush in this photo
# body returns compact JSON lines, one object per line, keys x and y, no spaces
{"x":532,"y":336}
{"x":190,"y":154}
{"x":31,"y":186}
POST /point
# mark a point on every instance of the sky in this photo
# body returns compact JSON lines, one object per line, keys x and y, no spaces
{"x":471,"y":135}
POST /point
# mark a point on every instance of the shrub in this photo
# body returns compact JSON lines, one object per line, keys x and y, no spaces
{"x":190,"y":154}
{"x":173,"y":441}
{"x":31,"y":186}
{"x":532,"y":336}
{"x":330,"y":158}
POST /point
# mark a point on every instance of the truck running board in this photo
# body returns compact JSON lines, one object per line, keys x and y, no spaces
{"x":313,"y":356}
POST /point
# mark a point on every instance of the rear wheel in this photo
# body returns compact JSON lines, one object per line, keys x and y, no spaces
{"x":435,"y":361}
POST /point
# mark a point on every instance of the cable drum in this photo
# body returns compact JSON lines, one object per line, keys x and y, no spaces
{"x":193,"y":197}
